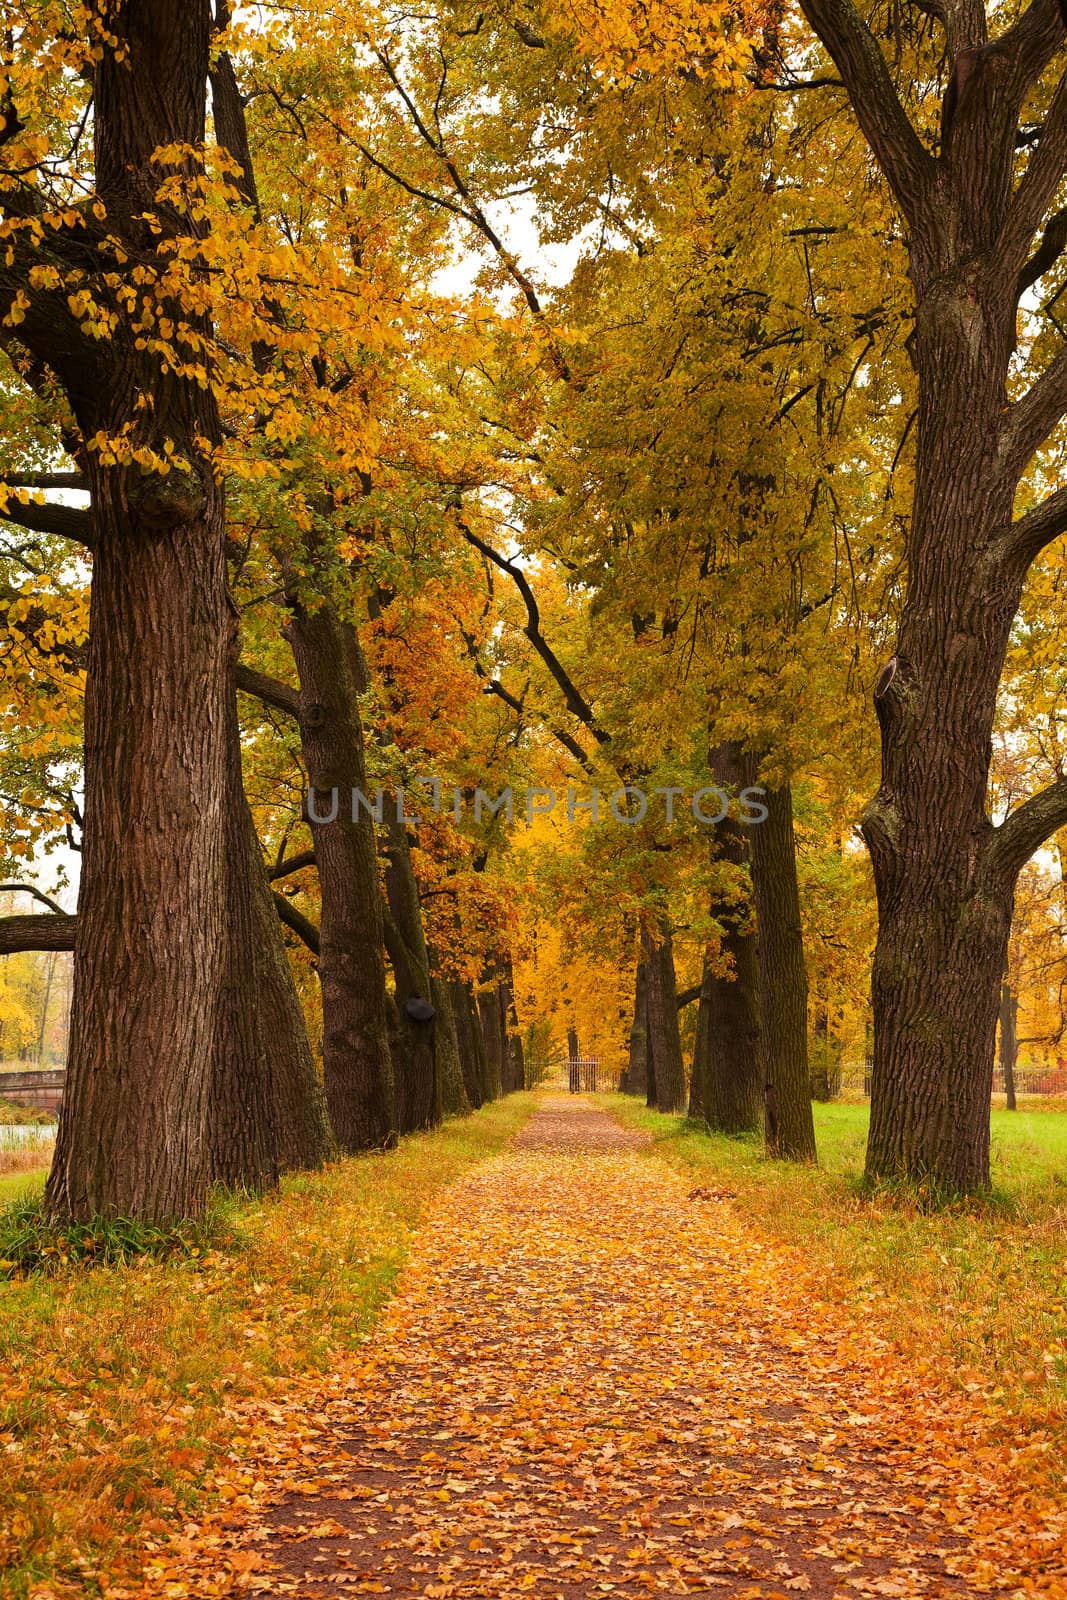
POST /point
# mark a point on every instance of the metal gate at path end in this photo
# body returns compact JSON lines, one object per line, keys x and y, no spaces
{"x":582,"y":1075}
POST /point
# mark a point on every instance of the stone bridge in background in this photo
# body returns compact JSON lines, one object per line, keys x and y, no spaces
{"x":38,"y":1090}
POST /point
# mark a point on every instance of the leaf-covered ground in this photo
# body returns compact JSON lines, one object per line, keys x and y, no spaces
{"x":594,"y":1380}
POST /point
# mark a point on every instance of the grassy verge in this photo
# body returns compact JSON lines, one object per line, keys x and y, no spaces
{"x":122,"y":1385}
{"x":17,"y":1185}
{"x":976,"y":1292}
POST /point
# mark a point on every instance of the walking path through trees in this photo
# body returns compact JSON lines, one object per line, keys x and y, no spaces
{"x":595,"y":1381}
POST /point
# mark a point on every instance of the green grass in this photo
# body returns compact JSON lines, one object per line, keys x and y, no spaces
{"x":17,"y":1185}
{"x":1028,"y":1148}
{"x":978,"y":1288}
{"x":126,"y":1387}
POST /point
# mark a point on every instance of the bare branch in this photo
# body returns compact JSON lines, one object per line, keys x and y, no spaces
{"x":1029,"y":534}
{"x":270,"y":690}
{"x":36,"y":933}
{"x":44,"y":480}
{"x":297,"y":922}
{"x":1032,"y":418}
{"x":576,"y":702}
{"x":297,"y":863}
{"x":62,"y":522}
{"x":28,"y":888}
{"x":1034,"y":194}
{"x":1053,"y":241}
{"x":1026,"y":829}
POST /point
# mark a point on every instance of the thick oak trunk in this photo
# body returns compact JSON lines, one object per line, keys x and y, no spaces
{"x":242,"y":1124}
{"x":150,"y":958}
{"x":471,"y":1042}
{"x":493,"y":1038}
{"x":783,"y":981}
{"x":980,"y":235}
{"x":944,"y":901}
{"x":153,"y":928}
{"x":454,"y":1100}
{"x":666,"y":1068}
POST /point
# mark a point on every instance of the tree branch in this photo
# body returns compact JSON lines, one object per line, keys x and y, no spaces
{"x":687,"y":996}
{"x":44,"y":480}
{"x":64,"y":522}
{"x":297,"y":922}
{"x":494,"y":686}
{"x":909,"y":168}
{"x":1032,"y":418}
{"x":576,"y":702}
{"x":286,"y":868}
{"x":271,"y":691}
{"x":37,"y":933}
{"x":1029,"y":534}
{"x":1047,"y":253}
{"x":1027,"y":828}
{"x":28,"y":888}
{"x":1035,"y":193}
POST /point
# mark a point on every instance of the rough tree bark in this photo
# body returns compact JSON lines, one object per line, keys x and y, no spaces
{"x":149,"y":961}
{"x":418,"y":1091}
{"x":454,"y":1101}
{"x":944,"y":874}
{"x":357,"y":1063}
{"x":493,"y":1039}
{"x":783,"y":980}
{"x":666,"y":1069}
{"x":471,"y":1042}
{"x":728,"y":1081}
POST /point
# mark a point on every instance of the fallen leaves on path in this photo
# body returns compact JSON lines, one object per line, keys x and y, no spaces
{"x":585,"y":1386}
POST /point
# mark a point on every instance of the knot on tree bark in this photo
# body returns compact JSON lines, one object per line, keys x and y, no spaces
{"x":161,"y":504}
{"x":892,"y":691}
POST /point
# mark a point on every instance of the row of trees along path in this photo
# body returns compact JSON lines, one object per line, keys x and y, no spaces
{"x":592,"y":1381}
{"x":189,"y":1062}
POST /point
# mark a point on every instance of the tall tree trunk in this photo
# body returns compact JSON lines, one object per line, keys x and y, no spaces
{"x":573,"y":1050}
{"x":1009,"y":1039}
{"x":515,"y":1075}
{"x":418,"y":1093}
{"x":357,"y":1063}
{"x":241,"y":1126}
{"x":153,"y":925}
{"x":665,"y":1065}
{"x":454,"y":1099}
{"x":637,"y":1062}
{"x":698,"y":1075}
{"x":471,"y":1042}
{"x":492,"y":1034}
{"x":303,"y":1136}
{"x":783,"y":981}
{"x":979,"y":235}
{"x":821,"y":1067}
{"x":727,"y":1062}
{"x":46,"y":1000}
